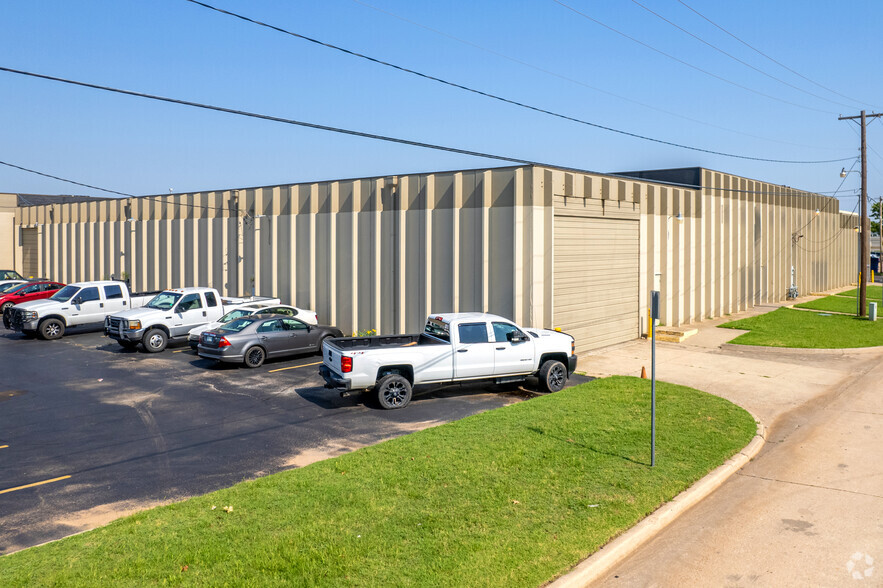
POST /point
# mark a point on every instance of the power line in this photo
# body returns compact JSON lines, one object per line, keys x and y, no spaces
{"x":496,"y":97}
{"x":284,"y":120}
{"x":681,"y":61}
{"x":758,"y":51}
{"x":736,"y":59}
{"x":578,"y":82}
{"x":45,"y":175}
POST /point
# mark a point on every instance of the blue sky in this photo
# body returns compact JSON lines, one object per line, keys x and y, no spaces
{"x":539,"y":53}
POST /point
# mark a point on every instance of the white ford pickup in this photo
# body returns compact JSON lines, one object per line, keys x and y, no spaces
{"x":83,"y":303}
{"x":452,"y":348}
{"x":170,"y":315}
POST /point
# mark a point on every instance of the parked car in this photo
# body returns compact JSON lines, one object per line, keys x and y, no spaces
{"x":10,"y":277}
{"x":308,"y":316}
{"x":252,"y":339}
{"x":170,"y":316}
{"x":81,"y":303}
{"x":452,"y":348}
{"x":34,"y":290}
{"x":10,"y":284}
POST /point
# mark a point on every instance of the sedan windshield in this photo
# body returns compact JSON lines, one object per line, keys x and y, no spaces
{"x":65,"y":293}
{"x":12,"y":288}
{"x":233,"y":315}
{"x":237,"y":325}
{"x":163,"y":301}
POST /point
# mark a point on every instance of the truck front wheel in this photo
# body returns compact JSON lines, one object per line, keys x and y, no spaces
{"x":51,"y":329}
{"x":155,"y":340}
{"x":552,"y":375}
{"x":393,"y":391}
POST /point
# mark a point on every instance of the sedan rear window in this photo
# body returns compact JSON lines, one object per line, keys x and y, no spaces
{"x":237,"y":325}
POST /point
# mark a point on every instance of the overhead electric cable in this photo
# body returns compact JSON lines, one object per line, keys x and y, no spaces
{"x":758,"y":51}
{"x":736,"y":59}
{"x":45,"y":175}
{"x":275,"y":118}
{"x":387,"y":138}
{"x":681,"y":61}
{"x":580,"y":82}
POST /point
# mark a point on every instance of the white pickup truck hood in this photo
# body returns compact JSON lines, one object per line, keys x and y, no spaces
{"x":547,"y":338}
{"x":139,"y":314}
{"x":43,"y":307}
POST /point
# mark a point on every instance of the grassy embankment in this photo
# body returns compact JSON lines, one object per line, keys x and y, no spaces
{"x":510,"y":497}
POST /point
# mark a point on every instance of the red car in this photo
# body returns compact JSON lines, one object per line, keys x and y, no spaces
{"x":34,"y":290}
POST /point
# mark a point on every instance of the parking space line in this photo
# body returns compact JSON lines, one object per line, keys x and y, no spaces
{"x":294,"y":367}
{"x":3,"y":446}
{"x":181,"y":350}
{"x":34,"y":484}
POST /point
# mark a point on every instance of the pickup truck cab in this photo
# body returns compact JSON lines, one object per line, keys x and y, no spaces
{"x":453,"y":347}
{"x":82,"y":303}
{"x":168,"y":316}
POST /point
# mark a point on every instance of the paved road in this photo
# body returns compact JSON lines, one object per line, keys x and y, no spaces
{"x":808,"y":511}
{"x":119,"y":431}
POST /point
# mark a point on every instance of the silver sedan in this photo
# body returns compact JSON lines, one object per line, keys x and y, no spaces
{"x":255,"y":338}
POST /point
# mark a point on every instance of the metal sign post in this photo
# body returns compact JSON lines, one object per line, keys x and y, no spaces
{"x":654,"y":316}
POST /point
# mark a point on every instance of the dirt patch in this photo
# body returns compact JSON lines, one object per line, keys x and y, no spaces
{"x":335,"y":448}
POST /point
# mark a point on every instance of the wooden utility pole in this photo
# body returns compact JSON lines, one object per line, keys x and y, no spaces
{"x":865,"y":245}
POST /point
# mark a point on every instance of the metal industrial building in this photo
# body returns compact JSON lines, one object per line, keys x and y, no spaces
{"x":544,"y":246}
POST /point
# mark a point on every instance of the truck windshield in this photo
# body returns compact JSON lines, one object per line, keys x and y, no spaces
{"x":65,"y":293}
{"x":437,"y":329}
{"x":234,"y":314}
{"x":164,"y":301}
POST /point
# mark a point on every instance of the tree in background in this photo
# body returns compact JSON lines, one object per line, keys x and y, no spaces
{"x":875,"y":218}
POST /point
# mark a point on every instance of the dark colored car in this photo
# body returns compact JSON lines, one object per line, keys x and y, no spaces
{"x":33,"y":290}
{"x":252,"y":339}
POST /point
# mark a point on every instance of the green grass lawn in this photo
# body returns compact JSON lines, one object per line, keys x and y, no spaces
{"x":786,"y":327}
{"x":873,"y":293}
{"x":510,"y":497}
{"x":835,"y":304}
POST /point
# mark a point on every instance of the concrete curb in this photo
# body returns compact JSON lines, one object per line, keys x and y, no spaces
{"x":602,"y":562}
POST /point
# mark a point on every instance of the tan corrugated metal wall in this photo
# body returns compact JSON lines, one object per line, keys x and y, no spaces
{"x":381,"y":253}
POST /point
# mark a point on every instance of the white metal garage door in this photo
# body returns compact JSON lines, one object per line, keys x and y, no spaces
{"x":596,"y":278}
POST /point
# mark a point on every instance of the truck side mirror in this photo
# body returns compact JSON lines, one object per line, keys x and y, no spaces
{"x":78,"y":301}
{"x":514,"y":337}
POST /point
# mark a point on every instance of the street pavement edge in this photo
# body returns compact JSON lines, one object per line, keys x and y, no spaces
{"x":602,"y":562}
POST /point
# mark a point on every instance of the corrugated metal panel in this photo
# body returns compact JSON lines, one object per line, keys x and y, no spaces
{"x":30,"y":259}
{"x":596,"y":276}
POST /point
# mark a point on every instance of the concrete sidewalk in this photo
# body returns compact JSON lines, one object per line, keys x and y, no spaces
{"x":809,"y":509}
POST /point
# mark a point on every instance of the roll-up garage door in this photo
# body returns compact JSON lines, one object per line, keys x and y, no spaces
{"x":596,"y":279}
{"x":29,"y":253}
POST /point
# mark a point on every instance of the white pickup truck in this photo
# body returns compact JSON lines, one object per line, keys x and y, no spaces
{"x":169,"y":316}
{"x":83,"y":303}
{"x":452,"y":348}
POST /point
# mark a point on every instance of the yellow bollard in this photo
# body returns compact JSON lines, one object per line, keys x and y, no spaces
{"x":649,"y":324}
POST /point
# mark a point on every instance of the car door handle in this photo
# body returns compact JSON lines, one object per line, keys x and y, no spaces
{"x":501,"y":348}
{"x":203,"y":313}
{"x":101,"y":305}
{"x":263,"y":338}
{"x":462,"y":350}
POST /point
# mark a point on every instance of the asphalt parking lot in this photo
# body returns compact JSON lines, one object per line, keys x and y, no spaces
{"x":90,"y":431}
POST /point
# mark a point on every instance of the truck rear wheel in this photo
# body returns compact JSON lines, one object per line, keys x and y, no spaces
{"x":51,"y":329}
{"x":155,"y":340}
{"x":552,"y":375}
{"x":393,"y":391}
